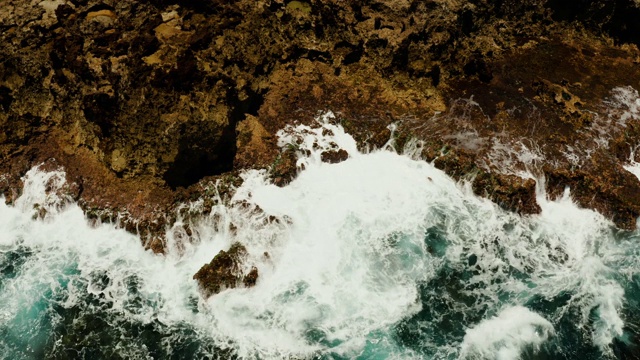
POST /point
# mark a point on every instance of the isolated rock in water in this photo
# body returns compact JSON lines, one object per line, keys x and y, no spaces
{"x":335,"y":156}
{"x":225,"y":271}
{"x":251,"y":278}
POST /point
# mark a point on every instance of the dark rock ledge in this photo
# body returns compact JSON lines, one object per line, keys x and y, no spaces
{"x":147,"y":103}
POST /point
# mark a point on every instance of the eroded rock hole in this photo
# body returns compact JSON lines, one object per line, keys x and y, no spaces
{"x":478,"y":67}
{"x":180,"y":78}
{"x":353,"y":57}
{"x":100,"y":109}
{"x":5,"y":98}
{"x":209,"y":152}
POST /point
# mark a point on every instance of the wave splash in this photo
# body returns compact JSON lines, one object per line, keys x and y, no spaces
{"x":379,"y":256}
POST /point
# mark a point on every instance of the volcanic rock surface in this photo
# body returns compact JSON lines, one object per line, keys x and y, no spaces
{"x":145,"y":103}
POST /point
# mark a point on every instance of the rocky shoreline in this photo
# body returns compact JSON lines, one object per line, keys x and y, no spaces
{"x":147,"y":105}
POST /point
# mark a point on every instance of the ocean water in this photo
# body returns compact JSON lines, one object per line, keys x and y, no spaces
{"x":381,"y":256}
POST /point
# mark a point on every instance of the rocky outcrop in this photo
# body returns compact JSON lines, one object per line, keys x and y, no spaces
{"x":562,"y":110}
{"x":145,"y":102}
{"x":225,"y":271}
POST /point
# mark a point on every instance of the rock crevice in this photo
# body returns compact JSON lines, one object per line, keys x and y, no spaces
{"x":144,"y":102}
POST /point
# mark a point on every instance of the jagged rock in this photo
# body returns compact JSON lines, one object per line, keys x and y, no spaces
{"x":334,"y":156}
{"x":251,"y":278}
{"x":137,"y":100}
{"x":509,"y":191}
{"x":256,"y":146}
{"x":225,"y":272}
{"x":284,"y":167}
{"x":602,"y":185}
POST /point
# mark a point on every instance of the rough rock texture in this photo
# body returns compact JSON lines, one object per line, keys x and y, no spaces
{"x":225,"y":271}
{"x":144,"y":103}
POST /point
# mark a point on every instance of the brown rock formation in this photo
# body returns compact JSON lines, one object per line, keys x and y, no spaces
{"x":137,"y":100}
{"x":225,"y":272}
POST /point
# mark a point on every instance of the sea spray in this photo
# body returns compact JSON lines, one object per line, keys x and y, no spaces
{"x":632,"y":166}
{"x":379,"y":256}
{"x":506,"y":335}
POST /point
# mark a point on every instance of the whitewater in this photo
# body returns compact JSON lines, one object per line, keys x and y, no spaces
{"x":381,"y":256}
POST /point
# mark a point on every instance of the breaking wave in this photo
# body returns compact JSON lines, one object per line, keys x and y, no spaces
{"x":381,"y":256}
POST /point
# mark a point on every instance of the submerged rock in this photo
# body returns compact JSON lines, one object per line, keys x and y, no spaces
{"x":225,"y":271}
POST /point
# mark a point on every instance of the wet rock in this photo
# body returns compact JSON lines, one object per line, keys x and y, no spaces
{"x":257,"y":147}
{"x":603,"y":185}
{"x":334,"y":156}
{"x":157,"y":245}
{"x":225,"y":271}
{"x":142,"y":102}
{"x":539,"y":115}
{"x":509,"y":191}
{"x":251,"y":278}
{"x":284,"y":168}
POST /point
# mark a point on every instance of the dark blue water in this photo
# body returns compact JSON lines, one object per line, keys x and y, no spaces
{"x":476,"y":282}
{"x":451,"y":303}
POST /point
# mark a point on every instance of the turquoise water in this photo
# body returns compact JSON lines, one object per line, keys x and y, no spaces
{"x":451,"y":302}
{"x":378,"y":257}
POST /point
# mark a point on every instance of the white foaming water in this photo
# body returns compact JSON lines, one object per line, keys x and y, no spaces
{"x":633,"y":166}
{"x":349,"y":256}
{"x":504,"y":336}
{"x":514,"y":158}
{"x":67,"y":259}
{"x":624,"y":105}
